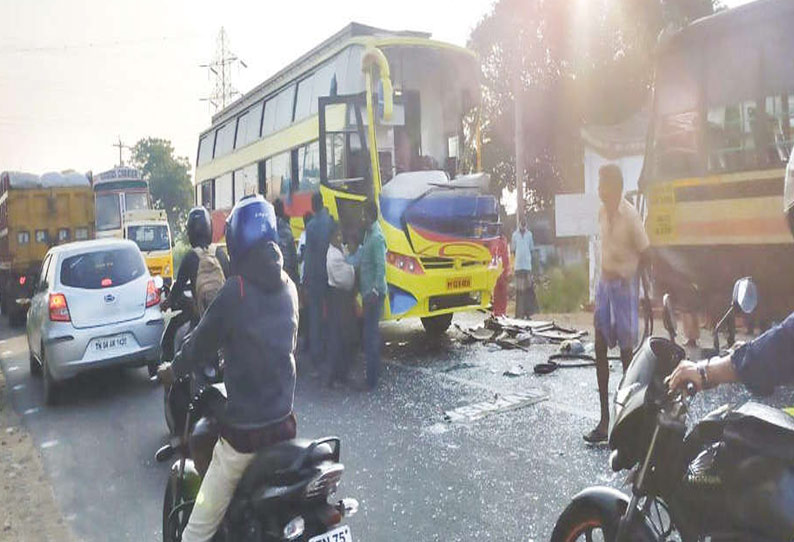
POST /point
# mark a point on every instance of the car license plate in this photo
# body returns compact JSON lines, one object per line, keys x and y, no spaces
{"x":458,"y":283}
{"x":108,"y":344}
{"x":340,"y":534}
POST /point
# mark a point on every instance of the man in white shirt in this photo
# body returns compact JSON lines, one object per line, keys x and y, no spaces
{"x":522,"y":245}
{"x":341,"y":315}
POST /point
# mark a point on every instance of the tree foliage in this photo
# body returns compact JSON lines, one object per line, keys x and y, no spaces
{"x":571,"y":62}
{"x":168,"y":176}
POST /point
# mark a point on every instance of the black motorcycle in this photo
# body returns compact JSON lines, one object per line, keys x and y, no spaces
{"x":731,"y":478}
{"x":284,"y":494}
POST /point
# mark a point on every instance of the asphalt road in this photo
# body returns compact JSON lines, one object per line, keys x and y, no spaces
{"x":504,"y":477}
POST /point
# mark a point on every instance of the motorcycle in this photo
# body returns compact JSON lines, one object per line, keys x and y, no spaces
{"x":284,"y":494}
{"x":731,"y":478}
{"x":177,"y":394}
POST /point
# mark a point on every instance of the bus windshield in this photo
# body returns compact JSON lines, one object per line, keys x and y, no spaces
{"x":150,"y":237}
{"x":134,"y":201}
{"x":108,"y":212}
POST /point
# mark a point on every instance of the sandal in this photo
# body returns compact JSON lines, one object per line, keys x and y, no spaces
{"x":596,"y":436}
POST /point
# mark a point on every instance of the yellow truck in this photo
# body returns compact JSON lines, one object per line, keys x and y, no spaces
{"x":148,"y":228}
{"x":36,"y":213}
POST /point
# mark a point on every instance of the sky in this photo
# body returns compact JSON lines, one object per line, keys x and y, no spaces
{"x":75,"y":75}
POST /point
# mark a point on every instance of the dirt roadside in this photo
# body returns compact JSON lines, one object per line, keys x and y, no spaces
{"x":28,"y":509}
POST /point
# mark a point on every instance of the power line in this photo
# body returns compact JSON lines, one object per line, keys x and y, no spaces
{"x":93,"y":45}
{"x":220,"y":68}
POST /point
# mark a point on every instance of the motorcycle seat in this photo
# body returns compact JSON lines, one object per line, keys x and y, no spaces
{"x":272,"y":465}
{"x":763,"y":429}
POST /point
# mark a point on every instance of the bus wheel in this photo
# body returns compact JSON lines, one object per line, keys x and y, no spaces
{"x":437,"y":325}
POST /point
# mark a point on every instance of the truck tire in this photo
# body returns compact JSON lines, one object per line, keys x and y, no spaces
{"x":437,"y":325}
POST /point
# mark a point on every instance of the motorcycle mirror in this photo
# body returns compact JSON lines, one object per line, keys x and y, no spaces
{"x":165,"y":453}
{"x":745,"y":295}
{"x":158,"y":282}
{"x":669,"y":316}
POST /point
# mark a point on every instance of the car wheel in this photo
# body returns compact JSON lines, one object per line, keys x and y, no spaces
{"x":51,"y":387}
{"x":35,"y":367}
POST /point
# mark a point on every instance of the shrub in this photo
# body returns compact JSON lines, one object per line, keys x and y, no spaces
{"x":563,"y":289}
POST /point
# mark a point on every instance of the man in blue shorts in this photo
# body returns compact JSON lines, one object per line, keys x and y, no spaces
{"x":624,"y":249}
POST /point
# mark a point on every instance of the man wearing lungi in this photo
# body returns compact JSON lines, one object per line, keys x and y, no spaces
{"x":624,"y":248}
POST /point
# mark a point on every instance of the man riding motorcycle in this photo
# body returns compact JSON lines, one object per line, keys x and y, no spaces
{"x":254,"y":319}
{"x":199,"y":234}
{"x":760,"y":364}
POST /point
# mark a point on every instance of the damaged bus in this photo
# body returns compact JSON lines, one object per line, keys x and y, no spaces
{"x":369,"y":113}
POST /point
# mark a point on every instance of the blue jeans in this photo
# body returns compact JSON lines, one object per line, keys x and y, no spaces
{"x":317,"y":335}
{"x":373,"y":309}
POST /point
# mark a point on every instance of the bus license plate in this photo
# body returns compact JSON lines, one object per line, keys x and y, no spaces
{"x":458,"y":283}
{"x":340,"y":534}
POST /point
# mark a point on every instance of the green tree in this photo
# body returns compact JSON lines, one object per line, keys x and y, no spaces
{"x":571,"y":62}
{"x":168,"y":176}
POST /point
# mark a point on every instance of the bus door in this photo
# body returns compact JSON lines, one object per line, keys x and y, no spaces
{"x":345,"y":162}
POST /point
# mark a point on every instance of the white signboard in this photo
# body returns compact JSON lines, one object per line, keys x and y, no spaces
{"x":576,"y":214}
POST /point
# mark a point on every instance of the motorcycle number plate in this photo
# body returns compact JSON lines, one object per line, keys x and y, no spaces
{"x":340,"y":534}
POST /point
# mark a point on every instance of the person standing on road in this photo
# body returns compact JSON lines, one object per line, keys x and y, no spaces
{"x":303,"y":323}
{"x":501,"y":252}
{"x":522,"y":245}
{"x":254,"y":319}
{"x":371,"y":259}
{"x":318,"y":235}
{"x":624,"y":248}
{"x":286,"y":242}
{"x":341,"y":323}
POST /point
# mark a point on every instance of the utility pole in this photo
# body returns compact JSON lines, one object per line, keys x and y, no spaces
{"x":518,"y":95}
{"x":120,"y":147}
{"x":220,"y":68}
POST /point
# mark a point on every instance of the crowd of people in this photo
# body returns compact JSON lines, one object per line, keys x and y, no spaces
{"x":329,"y":273}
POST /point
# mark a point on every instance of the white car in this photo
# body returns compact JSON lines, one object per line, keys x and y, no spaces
{"x":94,"y":305}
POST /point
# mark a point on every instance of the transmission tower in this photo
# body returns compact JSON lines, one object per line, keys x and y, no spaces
{"x":221,"y":69}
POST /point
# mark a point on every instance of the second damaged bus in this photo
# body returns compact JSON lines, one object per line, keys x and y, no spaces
{"x":370,"y":113}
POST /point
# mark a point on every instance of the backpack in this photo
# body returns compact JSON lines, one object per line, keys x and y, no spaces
{"x":209,"y":279}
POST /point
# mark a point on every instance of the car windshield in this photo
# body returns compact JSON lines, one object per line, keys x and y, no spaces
{"x":102,"y":269}
{"x":149,"y":238}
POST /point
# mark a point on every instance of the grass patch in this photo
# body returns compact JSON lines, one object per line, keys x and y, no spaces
{"x":563,"y":289}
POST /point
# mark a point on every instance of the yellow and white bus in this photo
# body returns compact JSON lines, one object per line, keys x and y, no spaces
{"x":371,"y":113}
{"x":721,"y":133}
{"x":117,"y":191}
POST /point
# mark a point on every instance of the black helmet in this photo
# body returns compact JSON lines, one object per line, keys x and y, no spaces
{"x":199,"y":227}
{"x":252,"y":220}
{"x":788,"y":194}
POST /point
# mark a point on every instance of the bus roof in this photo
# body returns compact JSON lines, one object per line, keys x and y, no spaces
{"x":727,"y":22}
{"x":351,"y":34}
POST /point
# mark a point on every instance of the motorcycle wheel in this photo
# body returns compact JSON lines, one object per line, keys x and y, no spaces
{"x":172,"y":527}
{"x":581,"y":522}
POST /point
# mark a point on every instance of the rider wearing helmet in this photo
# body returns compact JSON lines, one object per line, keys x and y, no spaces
{"x":254,"y":319}
{"x":760,"y":364}
{"x":199,"y":234}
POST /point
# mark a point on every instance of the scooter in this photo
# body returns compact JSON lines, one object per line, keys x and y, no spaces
{"x":284,"y":494}
{"x":731,"y":478}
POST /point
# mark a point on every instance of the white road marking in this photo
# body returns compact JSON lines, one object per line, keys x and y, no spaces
{"x":31,"y":411}
{"x":18,"y":387}
{"x":7,"y":353}
{"x":13,"y":368}
{"x":49,"y":444}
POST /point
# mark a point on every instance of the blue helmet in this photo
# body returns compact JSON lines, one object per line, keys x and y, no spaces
{"x":252,"y":220}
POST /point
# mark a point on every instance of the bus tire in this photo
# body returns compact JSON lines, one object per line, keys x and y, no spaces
{"x":437,"y":325}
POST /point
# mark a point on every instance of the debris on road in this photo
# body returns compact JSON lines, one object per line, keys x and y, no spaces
{"x":512,"y":333}
{"x":500,"y":403}
{"x":515,"y":370}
